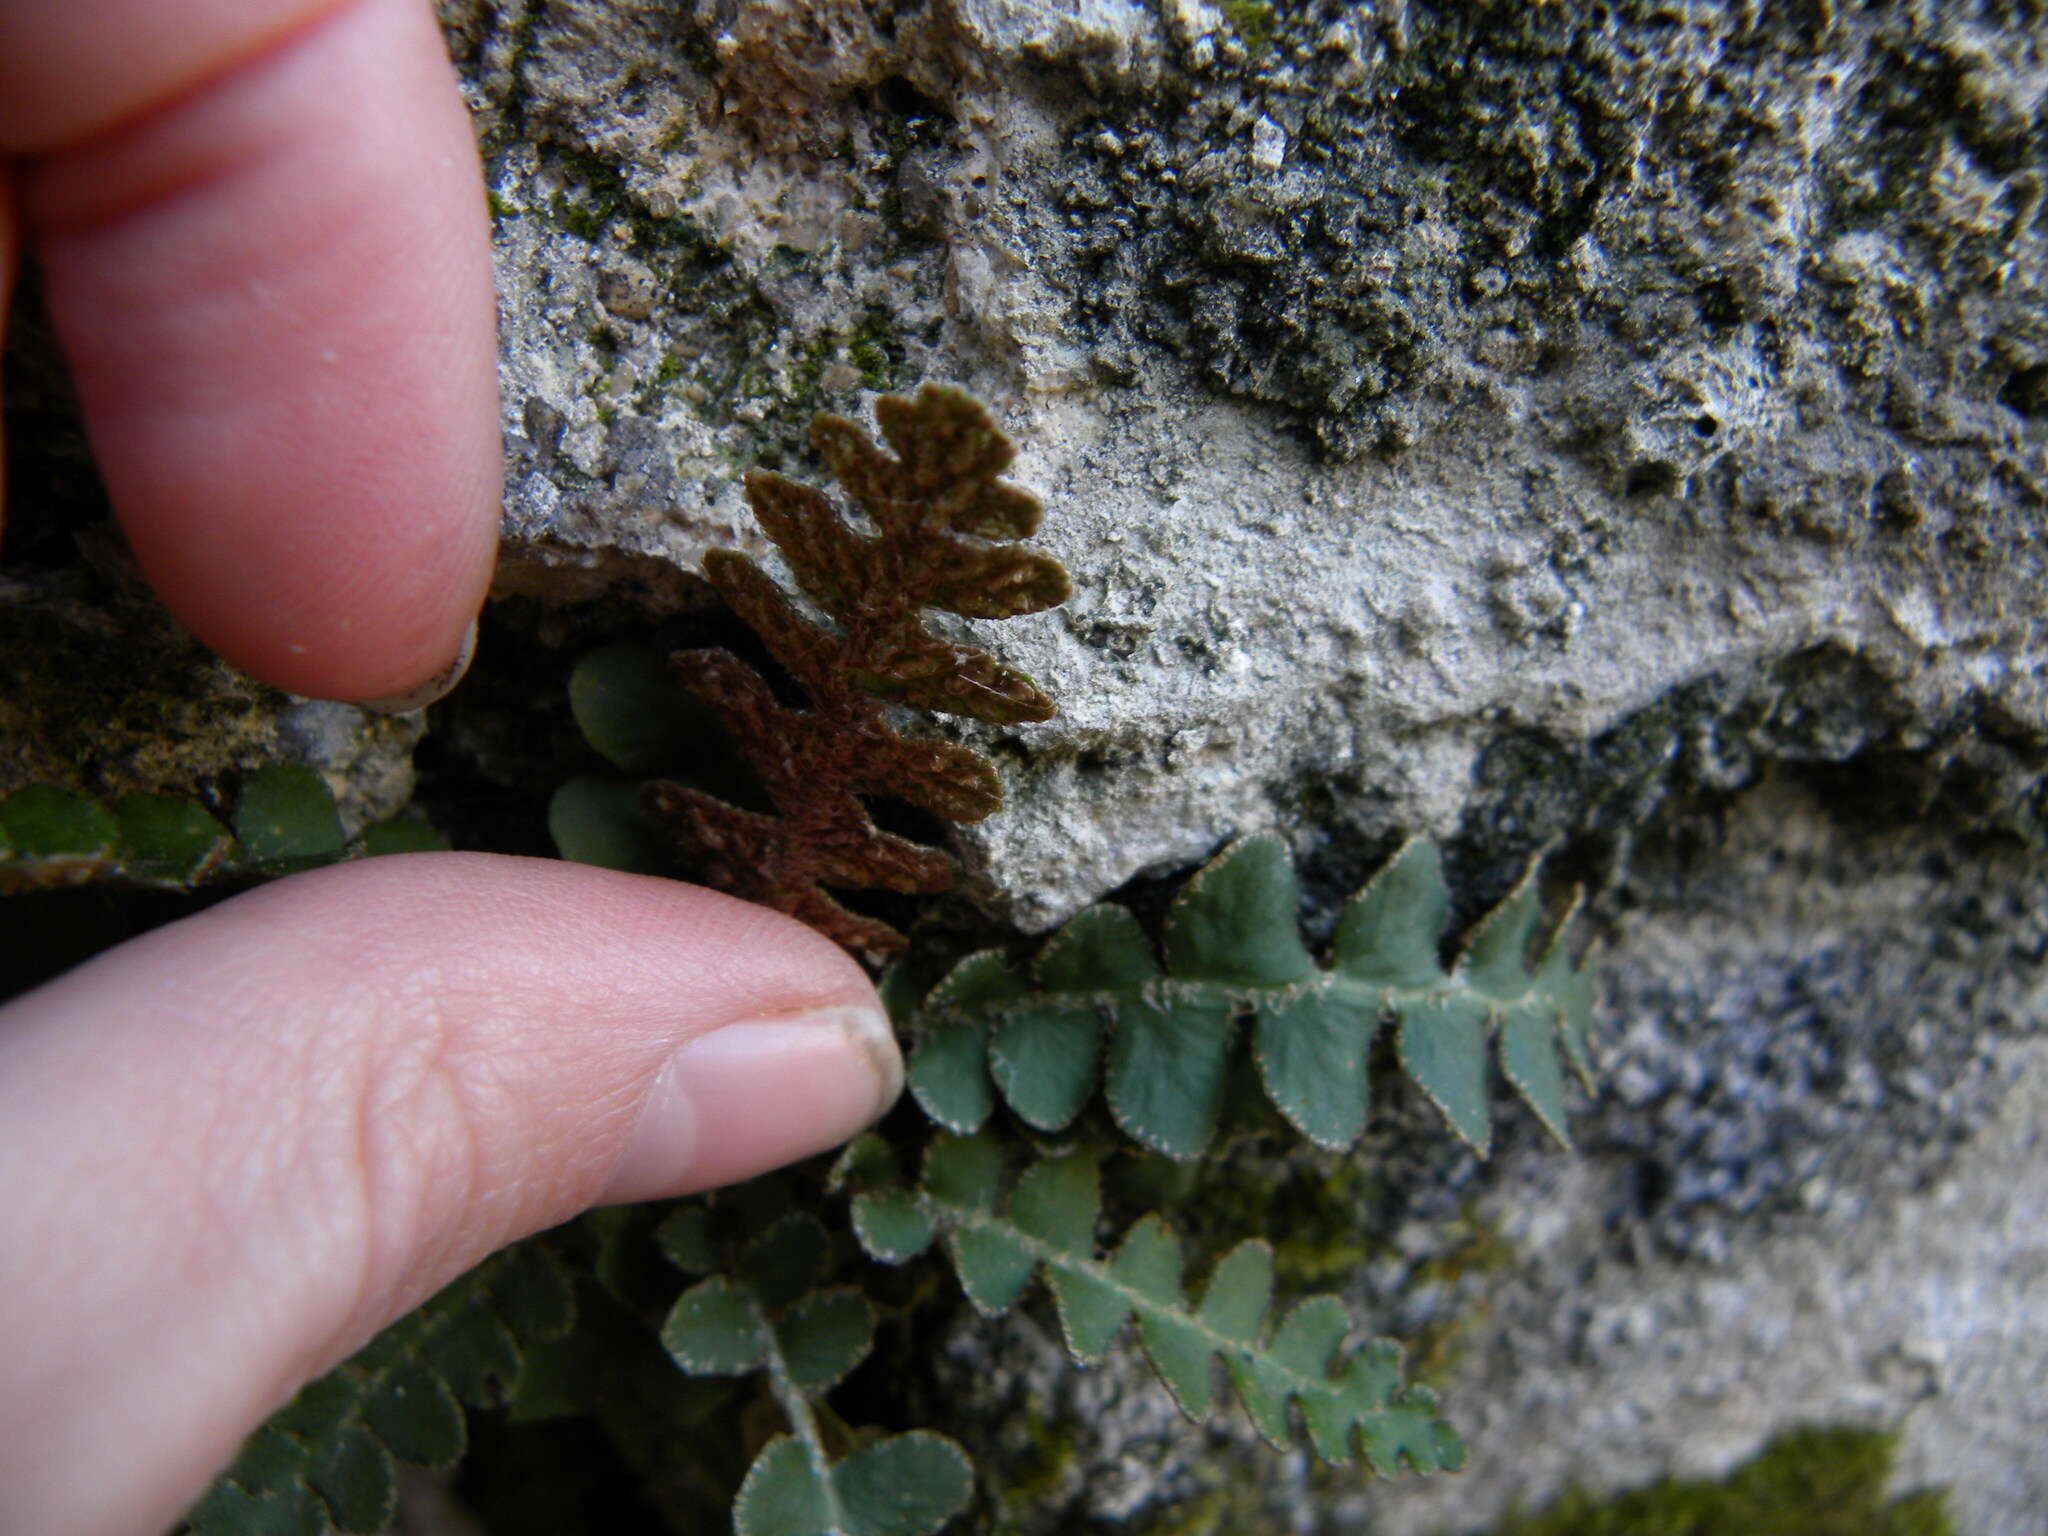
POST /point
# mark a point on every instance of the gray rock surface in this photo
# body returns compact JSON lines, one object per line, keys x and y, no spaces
{"x":1816,"y":1193}
{"x":1621,"y":429}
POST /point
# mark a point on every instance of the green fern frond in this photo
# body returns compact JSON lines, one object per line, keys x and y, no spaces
{"x":1351,"y":1399}
{"x":1097,"y":1004}
{"x":284,"y":820}
{"x":324,"y":1462}
{"x":771,"y":1315}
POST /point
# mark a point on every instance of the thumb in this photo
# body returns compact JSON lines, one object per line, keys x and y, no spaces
{"x":236,"y":1147}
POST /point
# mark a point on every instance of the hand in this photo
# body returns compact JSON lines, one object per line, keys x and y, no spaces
{"x":235,"y":1148}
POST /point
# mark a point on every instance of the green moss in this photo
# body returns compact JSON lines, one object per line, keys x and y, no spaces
{"x":801,"y":384}
{"x":600,"y":197}
{"x":1037,"y":1474}
{"x":1309,"y":1213}
{"x":597,"y":197}
{"x":579,"y":219}
{"x":876,"y":349}
{"x":696,"y":46}
{"x":1808,"y":1482}
{"x":1475,"y":1248}
{"x":1253,"y":21}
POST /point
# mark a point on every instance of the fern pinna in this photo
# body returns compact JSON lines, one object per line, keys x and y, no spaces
{"x":944,"y":522}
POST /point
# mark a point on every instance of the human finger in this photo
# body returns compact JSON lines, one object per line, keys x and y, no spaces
{"x":265,"y":251}
{"x":237,"y":1146}
{"x":10,"y":256}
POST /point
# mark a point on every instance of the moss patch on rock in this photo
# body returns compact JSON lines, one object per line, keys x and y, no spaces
{"x":1808,"y":1482}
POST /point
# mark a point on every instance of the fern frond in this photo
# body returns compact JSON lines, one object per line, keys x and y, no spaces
{"x":771,"y":1315}
{"x":284,"y":820}
{"x":941,"y":516}
{"x":1351,"y":1399}
{"x":1098,"y":1004}
{"x":323,"y":1462}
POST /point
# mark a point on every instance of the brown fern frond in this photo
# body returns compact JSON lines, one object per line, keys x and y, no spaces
{"x":942,"y":518}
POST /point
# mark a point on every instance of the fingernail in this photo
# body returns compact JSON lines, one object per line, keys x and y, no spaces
{"x":750,"y":1097}
{"x":435,"y":688}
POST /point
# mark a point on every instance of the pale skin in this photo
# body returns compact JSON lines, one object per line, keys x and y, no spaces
{"x":235,"y":1148}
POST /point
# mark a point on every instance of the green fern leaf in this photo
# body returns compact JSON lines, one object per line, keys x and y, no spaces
{"x":595,"y":820}
{"x":1442,"y":1043}
{"x":786,"y":1261}
{"x":1235,"y":919}
{"x":324,"y":1462}
{"x":1572,"y":987}
{"x":892,"y":1225}
{"x":44,"y":822}
{"x":626,"y":704}
{"x":824,"y":1336}
{"x":1168,"y":1059}
{"x":769,"y":1316}
{"x":168,"y":838}
{"x":413,"y":1413}
{"x":285,"y":818}
{"x":1496,"y":952}
{"x":715,"y":1329}
{"x":1043,"y":1055}
{"x":908,"y":1485}
{"x":1312,"y":1051}
{"x":1097,"y":1004}
{"x":295,"y":1510}
{"x":53,"y":837}
{"x":1387,"y":935}
{"x":1351,"y":1400}
{"x":948,"y":1077}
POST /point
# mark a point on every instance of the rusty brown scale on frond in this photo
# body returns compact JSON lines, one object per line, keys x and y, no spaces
{"x":944,"y":525}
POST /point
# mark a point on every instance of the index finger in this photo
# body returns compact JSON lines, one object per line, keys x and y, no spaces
{"x":266,"y":252}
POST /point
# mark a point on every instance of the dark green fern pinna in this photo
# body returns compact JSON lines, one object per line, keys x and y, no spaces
{"x":1036,"y":1078}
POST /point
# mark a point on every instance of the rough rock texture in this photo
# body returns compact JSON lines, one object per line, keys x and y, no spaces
{"x":1816,"y":1195}
{"x":1397,"y":383}
{"x":1621,"y":429}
